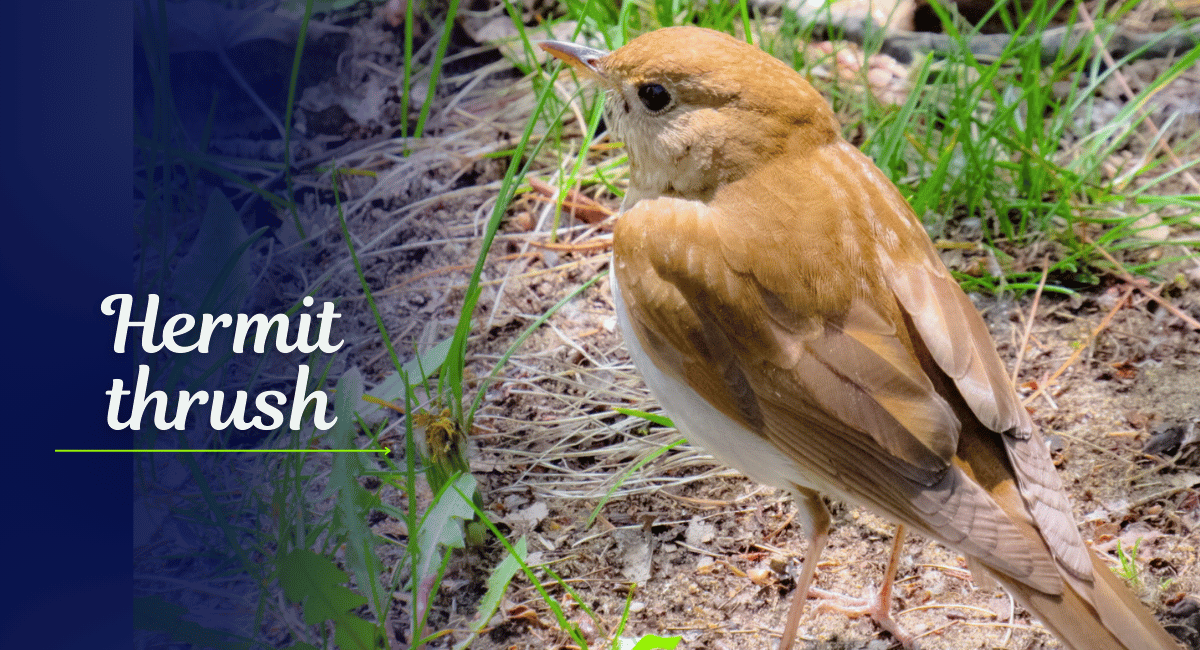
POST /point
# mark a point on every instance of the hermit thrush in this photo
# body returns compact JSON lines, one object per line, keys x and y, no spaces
{"x":788,"y":310}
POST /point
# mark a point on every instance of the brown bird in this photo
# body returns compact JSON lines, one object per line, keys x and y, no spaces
{"x":789,"y":312}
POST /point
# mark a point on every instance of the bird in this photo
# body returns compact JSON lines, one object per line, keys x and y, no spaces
{"x":787,"y":309}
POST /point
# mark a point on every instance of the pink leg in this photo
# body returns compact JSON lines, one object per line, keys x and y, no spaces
{"x":879,"y":607}
{"x":816,"y":527}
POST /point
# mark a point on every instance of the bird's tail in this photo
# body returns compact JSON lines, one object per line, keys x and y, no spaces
{"x":1100,"y":615}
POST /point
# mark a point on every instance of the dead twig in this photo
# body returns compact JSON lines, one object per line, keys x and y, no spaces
{"x":583,"y":208}
{"x":1075,"y":355}
{"x":575,"y":247}
{"x":1141,"y":285}
{"x":441,"y":270}
{"x":1037,"y":297}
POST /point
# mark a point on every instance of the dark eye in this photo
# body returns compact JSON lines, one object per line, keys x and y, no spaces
{"x":654,"y":97}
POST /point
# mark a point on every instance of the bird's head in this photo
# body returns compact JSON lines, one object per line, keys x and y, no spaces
{"x":697,"y":108}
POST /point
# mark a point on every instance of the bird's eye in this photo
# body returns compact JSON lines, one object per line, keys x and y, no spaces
{"x":654,"y":97}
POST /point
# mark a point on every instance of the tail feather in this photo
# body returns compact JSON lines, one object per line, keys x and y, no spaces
{"x":1101,"y":614}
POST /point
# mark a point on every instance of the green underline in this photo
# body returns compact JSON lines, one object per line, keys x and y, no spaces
{"x":222,"y":451}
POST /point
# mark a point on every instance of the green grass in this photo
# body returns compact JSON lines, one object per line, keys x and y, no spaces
{"x":327,"y":562}
{"x":1128,"y":569}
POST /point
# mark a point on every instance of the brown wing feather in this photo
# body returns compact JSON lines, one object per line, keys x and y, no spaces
{"x":958,"y":340}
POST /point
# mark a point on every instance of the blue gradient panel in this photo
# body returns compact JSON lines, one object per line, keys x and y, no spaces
{"x":67,"y":243}
{"x":113,"y":187}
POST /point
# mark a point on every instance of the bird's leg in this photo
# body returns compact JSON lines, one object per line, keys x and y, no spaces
{"x":878,"y":608}
{"x":816,"y":526}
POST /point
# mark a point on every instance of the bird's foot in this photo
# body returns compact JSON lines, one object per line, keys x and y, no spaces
{"x":875,"y":607}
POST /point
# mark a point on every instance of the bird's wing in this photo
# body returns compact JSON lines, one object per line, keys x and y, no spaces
{"x":956,"y":336}
{"x":945,"y":327}
{"x":949,"y":327}
{"x":830,"y":381}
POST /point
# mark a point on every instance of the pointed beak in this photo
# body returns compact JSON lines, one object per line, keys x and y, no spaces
{"x":584,"y":59}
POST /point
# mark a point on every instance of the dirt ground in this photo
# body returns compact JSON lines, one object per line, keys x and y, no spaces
{"x":713,"y":556}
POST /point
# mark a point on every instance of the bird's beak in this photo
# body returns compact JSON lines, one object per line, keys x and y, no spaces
{"x":582,"y":58}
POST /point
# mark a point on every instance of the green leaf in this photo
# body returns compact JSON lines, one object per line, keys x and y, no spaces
{"x":417,"y":369}
{"x":353,"y":502}
{"x":216,"y":263}
{"x":317,"y":584}
{"x":660,"y":420}
{"x":442,"y":524}
{"x":497,"y":585}
{"x":649,"y":642}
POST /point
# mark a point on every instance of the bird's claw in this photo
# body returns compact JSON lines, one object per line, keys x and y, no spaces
{"x":874,"y":607}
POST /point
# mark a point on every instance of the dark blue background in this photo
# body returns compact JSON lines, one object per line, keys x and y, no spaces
{"x":67,"y":201}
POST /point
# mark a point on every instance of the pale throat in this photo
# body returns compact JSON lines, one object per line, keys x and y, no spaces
{"x":678,"y":172}
{"x":672,"y":159}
